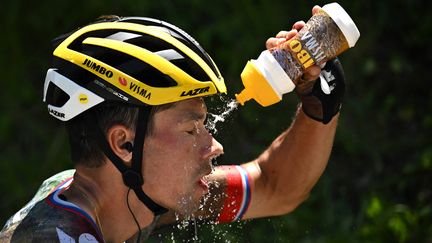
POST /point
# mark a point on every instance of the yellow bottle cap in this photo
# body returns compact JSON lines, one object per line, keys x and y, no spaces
{"x":256,"y":87}
{"x":244,"y":96}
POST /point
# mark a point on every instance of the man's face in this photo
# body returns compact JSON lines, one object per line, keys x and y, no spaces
{"x":178,"y":154}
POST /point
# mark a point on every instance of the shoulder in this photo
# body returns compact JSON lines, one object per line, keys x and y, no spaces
{"x":63,"y":178}
{"x":50,"y":222}
{"x":51,"y":219}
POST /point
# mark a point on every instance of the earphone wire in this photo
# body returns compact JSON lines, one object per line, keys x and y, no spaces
{"x":133,"y":215}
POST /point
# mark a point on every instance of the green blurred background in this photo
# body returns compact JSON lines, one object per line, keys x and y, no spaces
{"x":377,"y":187}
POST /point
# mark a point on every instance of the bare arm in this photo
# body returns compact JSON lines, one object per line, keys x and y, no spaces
{"x":283,"y":176}
{"x":285,"y":173}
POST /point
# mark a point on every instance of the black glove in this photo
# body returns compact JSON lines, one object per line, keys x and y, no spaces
{"x":324,"y":101}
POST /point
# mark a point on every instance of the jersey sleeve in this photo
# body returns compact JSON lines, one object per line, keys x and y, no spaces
{"x":237,"y":194}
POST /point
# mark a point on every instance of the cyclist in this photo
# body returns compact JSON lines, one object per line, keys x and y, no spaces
{"x":130,"y":91}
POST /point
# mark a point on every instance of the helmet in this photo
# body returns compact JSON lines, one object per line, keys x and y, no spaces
{"x":134,"y":60}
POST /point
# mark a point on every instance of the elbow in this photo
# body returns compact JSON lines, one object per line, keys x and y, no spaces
{"x":286,"y":204}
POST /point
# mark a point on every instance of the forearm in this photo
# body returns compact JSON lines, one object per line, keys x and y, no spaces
{"x":286,"y":172}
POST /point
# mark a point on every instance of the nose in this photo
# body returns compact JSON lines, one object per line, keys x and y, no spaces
{"x":217,"y":147}
{"x":214,"y":149}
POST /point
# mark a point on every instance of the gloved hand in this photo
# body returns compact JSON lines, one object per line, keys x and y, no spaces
{"x":324,"y":100}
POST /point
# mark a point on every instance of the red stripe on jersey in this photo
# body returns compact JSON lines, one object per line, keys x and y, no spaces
{"x":234,"y":192}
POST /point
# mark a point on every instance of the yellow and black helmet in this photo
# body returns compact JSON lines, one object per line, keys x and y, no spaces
{"x":135,"y":60}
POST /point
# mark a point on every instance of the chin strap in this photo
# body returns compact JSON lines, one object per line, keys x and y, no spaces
{"x":132,"y":176}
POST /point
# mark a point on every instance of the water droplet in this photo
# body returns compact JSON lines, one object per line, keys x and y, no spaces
{"x":213,"y":119}
{"x":196,"y":230}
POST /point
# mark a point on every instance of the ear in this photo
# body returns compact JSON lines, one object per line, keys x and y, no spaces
{"x":117,"y":137}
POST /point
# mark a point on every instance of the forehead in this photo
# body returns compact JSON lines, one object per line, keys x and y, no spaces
{"x":191,"y":109}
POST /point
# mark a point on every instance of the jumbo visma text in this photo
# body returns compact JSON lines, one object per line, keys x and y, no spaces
{"x":305,"y":58}
{"x":109,"y":74}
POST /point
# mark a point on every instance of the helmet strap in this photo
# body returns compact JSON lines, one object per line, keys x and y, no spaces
{"x":132,"y":176}
{"x":137,"y":155}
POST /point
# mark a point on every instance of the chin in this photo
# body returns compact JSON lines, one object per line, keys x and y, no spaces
{"x":188,"y":205}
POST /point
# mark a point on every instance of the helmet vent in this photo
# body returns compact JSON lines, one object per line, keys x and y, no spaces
{"x":56,"y":96}
{"x":123,"y":36}
{"x":169,"y":54}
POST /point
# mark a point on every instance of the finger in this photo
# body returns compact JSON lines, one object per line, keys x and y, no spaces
{"x":274,"y":42}
{"x":311,"y":73}
{"x":287,"y":34}
{"x":298,"y":25}
{"x":306,"y":82}
{"x":282,"y":34}
{"x":315,"y":9}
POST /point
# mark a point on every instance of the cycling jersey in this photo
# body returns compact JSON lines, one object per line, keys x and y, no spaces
{"x":50,"y":218}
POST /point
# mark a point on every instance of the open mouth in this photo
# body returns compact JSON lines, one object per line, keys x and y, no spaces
{"x":203,"y":180}
{"x":203,"y":184}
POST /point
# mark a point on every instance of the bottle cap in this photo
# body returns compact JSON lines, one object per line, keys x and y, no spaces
{"x":245,"y":95}
{"x":343,"y":21}
{"x":257,"y":87}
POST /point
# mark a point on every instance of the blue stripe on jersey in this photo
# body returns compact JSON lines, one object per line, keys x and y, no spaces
{"x":246,"y":193}
{"x":58,"y":202}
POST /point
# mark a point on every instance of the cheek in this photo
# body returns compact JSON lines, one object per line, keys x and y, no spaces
{"x":164,"y":142}
{"x":175,"y":145}
{"x":167,"y":156}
